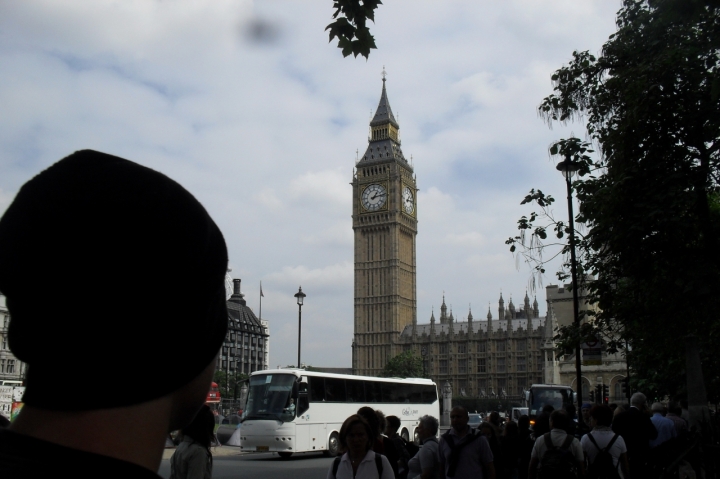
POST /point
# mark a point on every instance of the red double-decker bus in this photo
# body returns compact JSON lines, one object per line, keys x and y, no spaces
{"x":213,"y":396}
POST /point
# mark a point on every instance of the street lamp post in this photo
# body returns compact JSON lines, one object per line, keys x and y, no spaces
{"x":300,"y":297}
{"x":423,"y":353}
{"x":568,"y":168}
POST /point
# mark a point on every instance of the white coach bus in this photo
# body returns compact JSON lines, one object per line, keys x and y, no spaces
{"x":293,"y":410}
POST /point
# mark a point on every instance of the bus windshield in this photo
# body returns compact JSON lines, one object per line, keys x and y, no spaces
{"x":269,"y":397}
{"x":558,"y":398}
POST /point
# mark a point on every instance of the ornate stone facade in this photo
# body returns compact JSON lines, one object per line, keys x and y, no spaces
{"x":492,"y":358}
{"x":11,"y":368}
{"x":561,"y":370}
{"x":247,"y":341}
{"x":385,"y":226}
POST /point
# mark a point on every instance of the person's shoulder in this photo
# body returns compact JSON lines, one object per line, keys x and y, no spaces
{"x":19,"y":459}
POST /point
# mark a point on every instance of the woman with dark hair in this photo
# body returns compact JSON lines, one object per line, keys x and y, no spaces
{"x":601,"y":437}
{"x":510,"y":447}
{"x":359,"y":461}
{"x":490,"y":432}
{"x":382,"y":445}
{"x":192,"y":459}
{"x":526,"y":445}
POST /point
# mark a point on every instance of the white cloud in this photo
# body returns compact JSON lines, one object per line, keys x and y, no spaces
{"x":264,"y":132}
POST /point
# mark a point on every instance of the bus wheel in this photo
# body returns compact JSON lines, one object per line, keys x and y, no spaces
{"x":333,"y":445}
{"x":405,"y":435}
{"x":285,"y":454}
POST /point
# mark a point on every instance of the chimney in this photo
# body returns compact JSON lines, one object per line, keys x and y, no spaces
{"x":236,"y":286}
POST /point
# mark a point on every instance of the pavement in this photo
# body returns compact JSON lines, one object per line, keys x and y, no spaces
{"x":216,"y":451}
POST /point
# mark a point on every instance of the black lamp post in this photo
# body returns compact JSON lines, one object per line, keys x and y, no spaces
{"x":423,"y":353}
{"x":568,"y":168}
{"x":300,"y":297}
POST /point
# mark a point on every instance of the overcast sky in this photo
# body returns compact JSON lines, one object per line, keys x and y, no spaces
{"x":249,"y":107}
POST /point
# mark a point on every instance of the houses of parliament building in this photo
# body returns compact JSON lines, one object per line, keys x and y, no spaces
{"x":493,"y":357}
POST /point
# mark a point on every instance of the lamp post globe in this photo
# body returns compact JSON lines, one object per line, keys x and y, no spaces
{"x":300,"y":296}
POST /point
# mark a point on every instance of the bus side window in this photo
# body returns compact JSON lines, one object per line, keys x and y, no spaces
{"x":317,"y":389}
{"x":355,"y":390}
{"x":302,"y":402}
{"x":372,"y":392}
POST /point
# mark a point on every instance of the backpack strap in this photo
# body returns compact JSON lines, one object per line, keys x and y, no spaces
{"x":610,"y":444}
{"x":336,"y":464}
{"x":378,"y":464}
{"x":592,"y":440}
{"x":454,"y":458}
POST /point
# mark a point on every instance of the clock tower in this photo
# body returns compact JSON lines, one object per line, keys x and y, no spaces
{"x":385,"y":225}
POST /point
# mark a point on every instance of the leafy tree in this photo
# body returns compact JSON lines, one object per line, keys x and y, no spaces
{"x":227,"y":382}
{"x":404,"y":365}
{"x":649,"y":201}
{"x":350,"y":27}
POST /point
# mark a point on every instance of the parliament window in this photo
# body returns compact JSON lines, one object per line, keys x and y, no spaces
{"x":481,"y":365}
{"x":521,"y":365}
{"x":462,"y":366}
{"x":462,"y":348}
{"x":521,"y":345}
{"x":443,"y":366}
{"x":501,"y":365}
{"x":481,"y":347}
{"x":500,"y":346}
{"x":443,"y":349}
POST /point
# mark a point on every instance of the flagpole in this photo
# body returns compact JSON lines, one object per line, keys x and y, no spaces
{"x":261,"y":297}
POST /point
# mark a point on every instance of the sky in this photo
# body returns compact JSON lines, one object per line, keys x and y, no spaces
{"x":249,"y":107}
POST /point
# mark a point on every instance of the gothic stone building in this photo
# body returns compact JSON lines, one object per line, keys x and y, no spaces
{"x":493,"y":358}
{"x":610,"y":369}
{"x":246,"y":343}
{"x":487,"y":358}
{"x":11,"y":368}
{"x":385,"y":225}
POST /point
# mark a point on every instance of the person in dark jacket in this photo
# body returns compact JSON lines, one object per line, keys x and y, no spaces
{"x":510,"y":449}
{"x":147,"y":345}
{"x":637,"y":430}
{"x":526,"y":445}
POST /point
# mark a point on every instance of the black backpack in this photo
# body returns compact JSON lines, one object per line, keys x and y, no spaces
{"x":558,"y":462}
{"x":603,"y":467}
{"x":378,"y":464}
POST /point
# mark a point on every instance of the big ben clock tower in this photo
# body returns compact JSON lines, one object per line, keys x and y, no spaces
{"x":385,"y":226}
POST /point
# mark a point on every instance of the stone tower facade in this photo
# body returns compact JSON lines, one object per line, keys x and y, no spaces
{"x":385,"y":226}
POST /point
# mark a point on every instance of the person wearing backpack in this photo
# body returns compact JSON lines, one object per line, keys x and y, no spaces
{"x":464,"y":452}
{"x":556,"y":454}
{"x":359,"y":461}
{"x":605,"y":451}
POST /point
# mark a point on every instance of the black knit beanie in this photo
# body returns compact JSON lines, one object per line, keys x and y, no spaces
{"x":114,"y":278}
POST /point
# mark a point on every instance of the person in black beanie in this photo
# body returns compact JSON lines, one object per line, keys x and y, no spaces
{"x":135,"y":303}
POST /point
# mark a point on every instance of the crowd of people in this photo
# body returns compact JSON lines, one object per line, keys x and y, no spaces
{"x":604,"y":442}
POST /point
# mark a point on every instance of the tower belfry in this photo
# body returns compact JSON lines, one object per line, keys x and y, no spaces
{"x":385,"y":225}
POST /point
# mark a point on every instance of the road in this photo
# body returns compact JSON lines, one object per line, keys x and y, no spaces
{"x":265,"y":466}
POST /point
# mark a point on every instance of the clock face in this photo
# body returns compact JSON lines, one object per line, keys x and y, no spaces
{"x":374,"y":197}
{"x":408,"y":202}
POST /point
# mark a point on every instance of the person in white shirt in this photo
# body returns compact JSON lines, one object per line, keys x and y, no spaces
{"x":426,"y":463}
{"x":600,"y":419}
{"x":359,"y":461}
{"x":559,"y":422}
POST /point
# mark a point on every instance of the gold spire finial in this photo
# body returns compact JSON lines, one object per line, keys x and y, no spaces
{"x":384,"y":73}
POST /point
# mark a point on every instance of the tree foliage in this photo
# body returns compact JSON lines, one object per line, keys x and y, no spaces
{"x":649,"y":201}
{"x":404,"y":365}
{"x":227,"y":382}
{"x":350,"y":26}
